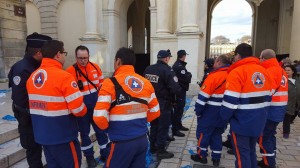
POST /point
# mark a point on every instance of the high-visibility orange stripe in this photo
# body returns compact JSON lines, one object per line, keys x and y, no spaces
{"x":264,"y":150}
{"x":74,"y":153}
{"x":110,"y":154}
{"x":199,"y":141}
{"x":237,"y":150}
{"x":280,"y":98}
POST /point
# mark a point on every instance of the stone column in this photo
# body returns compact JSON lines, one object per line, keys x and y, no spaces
{"x":164,"y":16}
{"x":295,"y":35}
{"x":91,"y":19}
{"x":189,"y":16}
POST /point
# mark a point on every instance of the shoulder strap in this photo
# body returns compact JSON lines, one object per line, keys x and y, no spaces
{"x":121,"y":96}
{"x":77,"y":69}
{"x":94,"y":66}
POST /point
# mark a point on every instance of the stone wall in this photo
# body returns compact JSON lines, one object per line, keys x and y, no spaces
{"x":13,"y":32}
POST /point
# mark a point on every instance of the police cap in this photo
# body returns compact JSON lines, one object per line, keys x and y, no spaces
{"x":181,"y":53}
{"x":36,"y":40}
{"x":164,"y":54}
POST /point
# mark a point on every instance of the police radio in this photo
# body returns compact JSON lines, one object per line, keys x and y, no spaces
{"x":80,"y":84}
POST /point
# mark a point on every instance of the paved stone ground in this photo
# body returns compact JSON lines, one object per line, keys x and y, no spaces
{"x":288,"y":152}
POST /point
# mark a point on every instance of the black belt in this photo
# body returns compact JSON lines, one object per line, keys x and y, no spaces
{"x":21,"y":109}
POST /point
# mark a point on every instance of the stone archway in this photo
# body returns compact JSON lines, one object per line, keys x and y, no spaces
{"x":210,"y":8}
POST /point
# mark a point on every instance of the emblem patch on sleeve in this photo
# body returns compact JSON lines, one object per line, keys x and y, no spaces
{"x":183,"y":72}
{"x":17,"y":80}
{"x":175,"y":79}
{"x":74,"y":84}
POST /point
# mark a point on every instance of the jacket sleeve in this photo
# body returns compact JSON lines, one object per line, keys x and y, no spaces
{"x":204,"y":95}
{"x":183,"y":75}
{"x":232,"y":94}
{"x":153,"y":106}
{"x":73,"y":96}
{"x":172,"y":82}
{"x":101,"y":110}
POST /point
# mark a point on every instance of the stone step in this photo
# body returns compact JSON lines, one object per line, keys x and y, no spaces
{"x":23,"y":163}
{"x":12,"y":153}
{"x":8,"y":131}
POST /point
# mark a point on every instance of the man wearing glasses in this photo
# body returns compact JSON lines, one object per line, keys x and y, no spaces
{"x":89,"y":79}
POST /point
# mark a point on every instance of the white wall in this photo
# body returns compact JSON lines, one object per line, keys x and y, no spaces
{"x":70,"y":26}
{"x":33,"y":18}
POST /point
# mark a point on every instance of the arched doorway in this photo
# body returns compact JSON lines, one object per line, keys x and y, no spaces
{"x":138,"y":28}
{"x":228,"y":25}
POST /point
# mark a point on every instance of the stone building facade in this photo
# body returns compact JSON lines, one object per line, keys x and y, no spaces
{"x":145,"y":25}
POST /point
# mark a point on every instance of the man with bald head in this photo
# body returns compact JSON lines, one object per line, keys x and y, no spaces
{"x":267,"y":142}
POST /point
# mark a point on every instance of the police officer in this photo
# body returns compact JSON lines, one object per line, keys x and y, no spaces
{"x":18,"y":75}
{"x":165,"y":84}
{"x":89,"y":78}
{"x":184,"y":79}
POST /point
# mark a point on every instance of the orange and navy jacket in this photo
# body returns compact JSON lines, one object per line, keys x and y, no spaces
{"x":54,"y":101}
{"x":247,"y":97}
{"x":92,"y":73}
{"x":210,"y":98}
{"x":129,"y":120}
{"x":280,"y":87}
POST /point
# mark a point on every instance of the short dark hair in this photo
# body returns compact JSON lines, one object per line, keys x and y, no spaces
{"x":50,"y":48}
{"x":224,"y":59}
{"x":293,"y":68}
{"x":244,"y":50}
{"x":81,"y":47}
{"x":126,"y":56}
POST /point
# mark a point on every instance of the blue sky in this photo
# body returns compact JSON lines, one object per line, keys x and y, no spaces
{"x":232,"y":18}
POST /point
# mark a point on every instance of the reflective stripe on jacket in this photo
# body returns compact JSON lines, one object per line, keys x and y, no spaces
{"x":54,"y":101}
{"x":280,"y":87}
{"x":210,"y":98}
{"x":129,"y":120}
{"x":247,"y":97}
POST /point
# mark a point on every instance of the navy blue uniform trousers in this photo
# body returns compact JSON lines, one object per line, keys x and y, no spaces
{"x":267,"y":143}
{"x":85,"y":123}
{"x":128,"y":154}
{"x":178,"y":112}
{"x":244,"y":150}
{"x":66,"y":155}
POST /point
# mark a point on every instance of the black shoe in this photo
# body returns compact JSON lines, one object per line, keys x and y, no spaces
{"x":91,"y":162}
{"x":197,"y":158}
{"x":178,"y":133}
{"x":170,"y":138}
{"x":216,"y":162}
{"x":227,"y":144}
{"x":163,"y":154}
{"x":153,"y":149}
{"x":230,"y":152}
{"x":182,"y":128}
{"x":261,"y":164}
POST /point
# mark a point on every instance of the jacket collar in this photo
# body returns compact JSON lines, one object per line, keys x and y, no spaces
{"x":248,"y":60}
{"x":270,"y":63}
{"x":49,"y":62}
{"x":182,"y":62}
{"x":124,"y":69}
